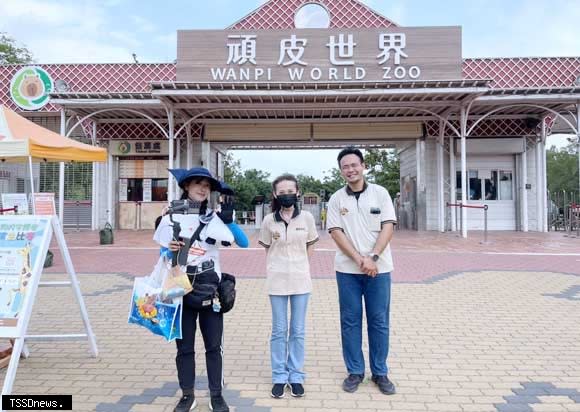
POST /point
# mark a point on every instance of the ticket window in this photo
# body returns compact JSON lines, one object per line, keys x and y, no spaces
{"x":144,"y":190}
{"x":486,"y":185}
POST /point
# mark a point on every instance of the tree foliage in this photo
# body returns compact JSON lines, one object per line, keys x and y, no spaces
{"x":12,"y":53}
{"x":246,"y":183}
{"x":383,"y":168}
{"x":562,"y":168}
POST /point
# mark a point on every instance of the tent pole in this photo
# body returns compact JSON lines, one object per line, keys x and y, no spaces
{"x":61,"y":171}
{"x":31,"y":183}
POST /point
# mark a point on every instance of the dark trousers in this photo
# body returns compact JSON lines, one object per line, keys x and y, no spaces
{"x":211,"y":325}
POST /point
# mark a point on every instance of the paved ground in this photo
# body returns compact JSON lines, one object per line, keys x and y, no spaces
{"x":474,"y":328}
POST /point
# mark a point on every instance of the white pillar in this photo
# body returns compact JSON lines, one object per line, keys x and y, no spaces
{"x":540,"y":212}
{"x":418,"y":164}
{"x":544,"y":176}
{"x":578,"y":141}
{"x":524,"y":190}
{"x":463,"y":171}
{"x":94,"y":193}
{"x":177,"y":160}
{"x":170,"y":182}
{"x":206,"y":155}
{"x":61,"y":171}
{"x":452,"y":183}
{"x":110,"y":161}
{"x":440,"y":178}
{"x":189,"y":147}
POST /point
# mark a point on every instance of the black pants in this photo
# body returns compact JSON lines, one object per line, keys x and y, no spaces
{"x":211,"y":325}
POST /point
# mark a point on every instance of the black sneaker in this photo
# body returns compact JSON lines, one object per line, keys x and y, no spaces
{"x":296,"y":390}
{"x":350,"y":384}
{"x":186,"y":403}
{"x":385,"y":385}
{"x":218,"y":404}
{"x":278,"y":390}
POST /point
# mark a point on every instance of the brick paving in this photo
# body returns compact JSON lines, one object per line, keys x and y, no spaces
{"x":418,"y":256}
{"x":474,"y":328}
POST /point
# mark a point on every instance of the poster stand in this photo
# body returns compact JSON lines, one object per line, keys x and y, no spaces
{"x":16,"y":229}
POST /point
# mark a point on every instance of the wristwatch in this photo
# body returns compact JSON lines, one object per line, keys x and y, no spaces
{"x":374,"y":256}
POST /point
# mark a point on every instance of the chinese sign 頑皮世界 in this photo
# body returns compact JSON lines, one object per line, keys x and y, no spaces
{"x":418,"y":53}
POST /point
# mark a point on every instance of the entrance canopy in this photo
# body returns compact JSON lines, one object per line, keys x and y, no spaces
{"x":21,"y":139}
{"x":334,"y":102}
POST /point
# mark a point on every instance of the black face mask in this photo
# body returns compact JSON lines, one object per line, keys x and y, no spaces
{"x":288,"y":200}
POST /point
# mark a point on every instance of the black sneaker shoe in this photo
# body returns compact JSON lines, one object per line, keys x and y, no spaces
{"x":278,"y":390}
{"x":385,"y":385}
{"x":296,"y":390}
{"x":218,"y":404}
{"x":350,"y":384}
{"x":186,"y":403}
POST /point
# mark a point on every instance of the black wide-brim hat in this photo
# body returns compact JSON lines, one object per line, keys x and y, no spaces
{"x":183,"y":176}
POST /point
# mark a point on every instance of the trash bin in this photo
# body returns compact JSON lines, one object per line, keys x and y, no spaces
{"x":106,"y":235}
{"x":48,"y":260}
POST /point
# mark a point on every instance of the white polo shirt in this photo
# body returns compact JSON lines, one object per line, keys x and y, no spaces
{"x":361,"y":220}
{"x":287,"y":265}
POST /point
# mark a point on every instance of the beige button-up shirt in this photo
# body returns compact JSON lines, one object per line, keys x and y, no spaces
{"x":287,"y":265}
{"x":361,"y":219}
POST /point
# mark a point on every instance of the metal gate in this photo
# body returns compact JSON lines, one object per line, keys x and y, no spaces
{"x":78,"y":178}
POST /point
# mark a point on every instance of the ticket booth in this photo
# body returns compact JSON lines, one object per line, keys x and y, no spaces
{"x":142,"y":182}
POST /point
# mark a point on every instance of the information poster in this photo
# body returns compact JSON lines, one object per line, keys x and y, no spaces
{"x":44,"y":204}
{"x":123,"y":190}
{"x":9,"y":200}
{"x":23,"y":244}
{"x":146,"y":190}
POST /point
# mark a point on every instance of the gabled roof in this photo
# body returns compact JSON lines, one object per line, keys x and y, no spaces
{"x":279,"y":14}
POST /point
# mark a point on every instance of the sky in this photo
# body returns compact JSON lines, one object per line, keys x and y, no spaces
{"x":110,"y":31}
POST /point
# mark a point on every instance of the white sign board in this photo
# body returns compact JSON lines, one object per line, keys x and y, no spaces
{"x":24,"y":242}
{"x":9,"y":200}
{"x":44,"y":204}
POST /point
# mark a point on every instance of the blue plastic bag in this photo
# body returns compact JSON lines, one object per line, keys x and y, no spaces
{"x":147,"y":309}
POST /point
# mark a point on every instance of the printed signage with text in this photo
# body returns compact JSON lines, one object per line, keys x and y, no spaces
{"x":10,"y":200}
{"x":22,"y":239}
{"x":44,"y":204}
{"x":410,"y":53}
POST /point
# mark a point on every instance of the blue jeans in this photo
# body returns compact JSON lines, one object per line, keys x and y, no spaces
{"x":352,"y":288}
{"x":287,"y":351}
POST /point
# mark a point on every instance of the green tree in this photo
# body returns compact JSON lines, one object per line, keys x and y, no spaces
{"x":246,"y":183}
{"x":11,"y":53}
{"x":309,"y":184}
{"x":562,"y":168}
{"x":383,"y":168}
{"x":332,"y":181}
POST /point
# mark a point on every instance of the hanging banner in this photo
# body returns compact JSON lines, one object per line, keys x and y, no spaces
{"x":44,"y":204}
{"x":9,"y":200}
{"x":24,"y":242}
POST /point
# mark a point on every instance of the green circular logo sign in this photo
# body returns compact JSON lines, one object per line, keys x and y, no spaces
{"x":30,"y":87}
{"x":124,"y":147}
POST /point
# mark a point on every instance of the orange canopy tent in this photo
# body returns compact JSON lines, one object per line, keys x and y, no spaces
{"x":22,"y":140}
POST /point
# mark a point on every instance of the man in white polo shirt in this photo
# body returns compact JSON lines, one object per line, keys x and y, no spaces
{"x":360,"y":220}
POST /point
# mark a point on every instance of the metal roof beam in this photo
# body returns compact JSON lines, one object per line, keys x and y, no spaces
{"x":298,"y":106}
{"x":321,"y":92}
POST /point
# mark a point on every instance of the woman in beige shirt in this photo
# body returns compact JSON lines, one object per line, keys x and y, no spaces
{"x":288,"y":235}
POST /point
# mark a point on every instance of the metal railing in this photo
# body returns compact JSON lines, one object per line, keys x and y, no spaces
{"x":561,"y":210}
{"x":10,"y":209}
{"x":460,"y":206}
